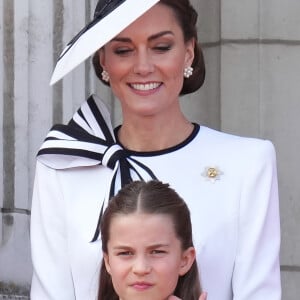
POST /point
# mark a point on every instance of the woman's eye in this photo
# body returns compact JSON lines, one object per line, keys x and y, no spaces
{"x":122,"y":51}
{"x":162,"y":48}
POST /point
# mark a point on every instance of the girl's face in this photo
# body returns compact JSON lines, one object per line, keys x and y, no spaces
{"x":145,"y":257}
{"x":146,"y":62}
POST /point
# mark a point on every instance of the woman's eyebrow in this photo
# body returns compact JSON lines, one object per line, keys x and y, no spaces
{"x":152,"y":37}
{"x":160,"y":34}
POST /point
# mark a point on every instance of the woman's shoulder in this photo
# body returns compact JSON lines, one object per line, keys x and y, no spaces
{"x":233,"y":144}
{"x":213,"y":135}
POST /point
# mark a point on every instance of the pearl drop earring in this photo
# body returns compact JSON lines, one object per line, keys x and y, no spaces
{"x":188,"y":71}
{"x":105,"y":76}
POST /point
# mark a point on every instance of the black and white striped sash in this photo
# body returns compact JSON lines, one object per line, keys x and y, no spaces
{"x":89,"y":140}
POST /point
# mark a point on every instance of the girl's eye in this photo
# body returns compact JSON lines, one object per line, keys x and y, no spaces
{"x":124,"y":253}
{"x":155,"y":251}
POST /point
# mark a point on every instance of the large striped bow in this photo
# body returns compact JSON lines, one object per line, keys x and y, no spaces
{"x":89,"y":140}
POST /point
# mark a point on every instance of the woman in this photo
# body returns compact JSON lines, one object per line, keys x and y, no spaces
{"x":146,"y":235}
{"x":228,"y":182}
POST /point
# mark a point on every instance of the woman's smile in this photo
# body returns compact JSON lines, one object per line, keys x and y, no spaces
{"x":145,"y":86}
{"x":145,"y":89}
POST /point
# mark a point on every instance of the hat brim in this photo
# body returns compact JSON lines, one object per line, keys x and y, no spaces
{"x":98,"y":35}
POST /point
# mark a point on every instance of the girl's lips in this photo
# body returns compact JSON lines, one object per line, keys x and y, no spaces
{"x":141,"y":286}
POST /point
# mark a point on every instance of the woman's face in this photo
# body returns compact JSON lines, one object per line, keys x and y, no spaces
{"x":146,"y":61}
{"x":145,"y":257}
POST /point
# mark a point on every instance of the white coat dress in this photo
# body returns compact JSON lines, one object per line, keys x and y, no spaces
{"x":234,"y":212}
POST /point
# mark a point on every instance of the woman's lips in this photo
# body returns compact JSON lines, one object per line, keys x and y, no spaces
{"x":145,"y":87}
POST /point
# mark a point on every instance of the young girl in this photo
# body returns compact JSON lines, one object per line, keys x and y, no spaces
{"x":147,"y":245}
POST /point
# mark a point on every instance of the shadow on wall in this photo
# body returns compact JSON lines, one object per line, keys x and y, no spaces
{"x":15,"y":262}
{"x":12,"y":292}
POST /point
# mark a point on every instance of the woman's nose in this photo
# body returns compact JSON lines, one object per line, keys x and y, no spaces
{"x":143,"y":64}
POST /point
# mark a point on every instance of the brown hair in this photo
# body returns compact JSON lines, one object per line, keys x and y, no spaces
{"x":152,"y":197}
{"x":187,"y":19}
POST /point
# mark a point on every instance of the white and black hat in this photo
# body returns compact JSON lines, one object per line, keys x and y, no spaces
{"x":110,"y":18}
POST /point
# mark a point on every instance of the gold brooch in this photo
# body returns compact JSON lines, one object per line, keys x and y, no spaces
{"x":212,"y":174}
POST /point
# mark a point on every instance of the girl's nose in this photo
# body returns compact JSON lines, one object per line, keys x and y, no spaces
{"x":141,"y":266}
{"x":143,"y":64}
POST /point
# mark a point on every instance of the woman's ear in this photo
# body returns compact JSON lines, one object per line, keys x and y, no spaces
{"x":190,"y":52}
{"x":187,"y":259}
{"x":106,"y":262}
{"x":101,"y":54}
